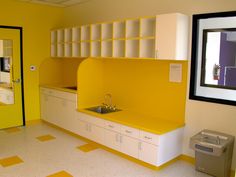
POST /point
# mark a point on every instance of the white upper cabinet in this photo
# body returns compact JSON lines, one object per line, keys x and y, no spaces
{"x":172,"y":36}
{"x":161,"y":37}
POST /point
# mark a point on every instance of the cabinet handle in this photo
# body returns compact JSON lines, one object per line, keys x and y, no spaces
{"x":146,"y":137}
{"x":140,"y":145}
{"x":88,"y":127}
{"x":117,"y":138}
{"x":127,"y":131}
{"x":110,"y":126}
{"x":121,"y":138}
{"x":156,"y":53}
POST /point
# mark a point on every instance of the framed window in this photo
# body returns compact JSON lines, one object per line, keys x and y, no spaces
{"x":213,"y":63}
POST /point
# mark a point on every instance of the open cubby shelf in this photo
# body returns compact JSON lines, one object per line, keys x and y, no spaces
{"x":131,"y":38}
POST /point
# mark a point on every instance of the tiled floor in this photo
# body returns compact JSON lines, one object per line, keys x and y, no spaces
{"x":60,"y":157}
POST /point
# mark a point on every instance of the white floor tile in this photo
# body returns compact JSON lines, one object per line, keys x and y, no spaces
{"x":44,"y":158}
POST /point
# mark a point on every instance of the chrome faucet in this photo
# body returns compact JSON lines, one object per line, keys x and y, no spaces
{"x":108,"y":101}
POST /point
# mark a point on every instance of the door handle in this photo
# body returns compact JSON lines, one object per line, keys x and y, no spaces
{"x":16,"y":81}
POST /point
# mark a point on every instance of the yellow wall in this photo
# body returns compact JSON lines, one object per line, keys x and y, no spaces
{"x":109,"y":10}
{"x":59,"y":71}
{"x":90,"y":83}
{"x":199,"y":115}
{"x":140,"y":86}
{"x":36,"y":20}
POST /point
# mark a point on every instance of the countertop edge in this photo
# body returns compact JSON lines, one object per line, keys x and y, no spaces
{"x":158,"y":132}
{"x":58,"y":87}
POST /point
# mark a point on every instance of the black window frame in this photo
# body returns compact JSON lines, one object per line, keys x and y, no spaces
{"x":194,"y":59}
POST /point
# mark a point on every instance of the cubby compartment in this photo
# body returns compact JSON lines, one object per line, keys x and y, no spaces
{"x":106,"y":48}
{"x":75,"y":34}
{"x":132,"y":28}
{"x":107,"y":31}
{"x":131,"y":38}
{"x":147,"y":48}
{"x":119,"y":48}
{"x":68,"y":35}
{"x":119,"y":30}
{"x":132,"y":48}
{"x":96,"y":32}
{"x":60,"y":50}
{"x":54,"y":36}
{"x":85,"y":33}
{"x":96,"y":49}
{"x":148,"y":27}
{"x":68,"y":50}
{"x":85,"y":49}
{"x":53,"y":50}
{"x":75,"y":49}
{"x":60,"y":36}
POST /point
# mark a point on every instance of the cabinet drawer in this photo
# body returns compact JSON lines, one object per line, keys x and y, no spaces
{"x":59,"y":94}
{"x":112,"y":126}
{"x":90,"y":119}
{"x":149,"y":137}
{"x":132,"y":132}
{"x":46,"y":91}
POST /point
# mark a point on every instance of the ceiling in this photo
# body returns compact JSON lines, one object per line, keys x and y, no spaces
{"x":58,"y":3}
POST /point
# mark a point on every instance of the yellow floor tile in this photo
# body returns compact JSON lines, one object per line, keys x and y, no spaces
{"x":12,"y":130}
{"x":9,"y":161}
{"x":45,"y":138}
{"x":60,"y":174}
{"x":88,"y":147}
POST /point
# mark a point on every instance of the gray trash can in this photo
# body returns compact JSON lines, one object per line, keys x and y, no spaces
{"x":213,"y":152}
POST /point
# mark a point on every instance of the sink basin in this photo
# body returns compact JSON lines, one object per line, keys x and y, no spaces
{"x":102,"y":109}
{"x":213,"y":139}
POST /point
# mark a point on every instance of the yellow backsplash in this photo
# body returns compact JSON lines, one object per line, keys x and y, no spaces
{"x":138,"y":85}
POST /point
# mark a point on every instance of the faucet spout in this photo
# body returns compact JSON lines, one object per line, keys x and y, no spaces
{"x":108,"y":100}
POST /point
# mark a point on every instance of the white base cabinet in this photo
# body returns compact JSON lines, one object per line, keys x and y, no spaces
{"x":148,"y":153}
{"x":60,"y":109}
{"x":112,"y":139}
{"x":130,"y":146}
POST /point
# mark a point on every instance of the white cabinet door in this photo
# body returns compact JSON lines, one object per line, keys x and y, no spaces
{"x":49,"y":111}
{"x":82,"y":128}
{"x":44,"y":106}
{"x":172,"y":36}
{"x":111,"y":139}
{"x":96,"y":133}
{"x":129,"y":146}
{"x":67,"y":114}
{"x":148,"y":153}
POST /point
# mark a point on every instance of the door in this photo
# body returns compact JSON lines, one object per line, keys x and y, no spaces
{"x":11,"y":97}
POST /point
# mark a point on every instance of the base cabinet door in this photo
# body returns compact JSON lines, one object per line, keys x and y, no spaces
{"x":129,"y":146}
{"x":82,"y":128}
{"x":148,"y":153}
{"x":52,"y":114}
{"x":96,"y":133}
{"x":67,"y":111}
{"x":111,"y":139}
{"x":44,"y":106}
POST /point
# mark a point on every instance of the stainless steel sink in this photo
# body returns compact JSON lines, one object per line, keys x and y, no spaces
{"x":102,"y":109}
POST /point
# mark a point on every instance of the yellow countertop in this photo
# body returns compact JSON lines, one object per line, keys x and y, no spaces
{"x":59,"y":87}
{"x":147,"y":123}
